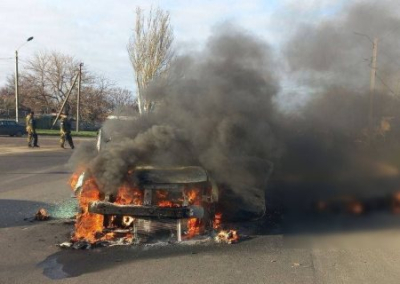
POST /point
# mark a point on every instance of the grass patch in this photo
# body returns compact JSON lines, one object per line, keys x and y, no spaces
{"x":56,"y":132}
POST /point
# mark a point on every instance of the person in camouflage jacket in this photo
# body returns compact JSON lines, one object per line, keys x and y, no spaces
{"x":30,"y":123}
{"x":65,"y":132}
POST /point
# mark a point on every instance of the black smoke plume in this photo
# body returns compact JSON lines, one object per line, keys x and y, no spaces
{"x":214,"y":110}
{"x":331,"y":147}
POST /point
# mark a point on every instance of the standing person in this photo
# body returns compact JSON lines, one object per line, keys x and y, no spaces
{"x":65,"y":132}
{"x":31,"y":130}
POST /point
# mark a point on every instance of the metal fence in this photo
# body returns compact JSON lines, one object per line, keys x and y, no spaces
{"x":45,"y":120}
{"x":10,"y":114}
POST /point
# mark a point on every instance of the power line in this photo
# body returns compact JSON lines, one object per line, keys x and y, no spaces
{"x":386,"y":85}
{"x":389,"y":32}
{"x":392,"y":30}
{"x":393,"y":61}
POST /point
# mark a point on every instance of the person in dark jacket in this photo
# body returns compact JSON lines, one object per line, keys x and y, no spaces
{"x":30,"y":123}
{"x":65,"y":132}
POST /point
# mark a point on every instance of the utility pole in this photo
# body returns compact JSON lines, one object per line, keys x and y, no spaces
{"x":78,"y":99}
{"x":372,"y":85}
{"x":16,"y":87}
{"x":16,"y":80}
{"x":65,"y":100}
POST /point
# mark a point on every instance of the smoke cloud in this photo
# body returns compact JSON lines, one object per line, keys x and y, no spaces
{"x":338,"y":50}
{"x":214,"y":110}
{"x":331,"y":149}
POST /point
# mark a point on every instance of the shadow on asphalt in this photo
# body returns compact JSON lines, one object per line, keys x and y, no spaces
{"x":34,"y":155}
{"x":291,"y":211}
{"x":36,"y":173}
{"x":73,"y":263}
{"x":14,"y":213}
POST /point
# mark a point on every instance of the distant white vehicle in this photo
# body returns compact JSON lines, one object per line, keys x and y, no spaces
{"x":110,"y":128}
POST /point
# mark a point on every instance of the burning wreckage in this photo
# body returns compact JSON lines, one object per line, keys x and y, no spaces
{"x":175,"y":203}
{"x":151,"y":200}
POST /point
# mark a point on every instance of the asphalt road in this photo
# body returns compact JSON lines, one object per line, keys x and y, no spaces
{"x":360,"y":250}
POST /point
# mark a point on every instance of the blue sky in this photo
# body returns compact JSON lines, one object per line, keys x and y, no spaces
{"x":96,"y":31}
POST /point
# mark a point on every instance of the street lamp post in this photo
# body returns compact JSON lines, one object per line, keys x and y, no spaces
{"x":78,"y":99}
{"x":372,"y":82}
{"x":16,"y":87}
{"x":16,"y":80}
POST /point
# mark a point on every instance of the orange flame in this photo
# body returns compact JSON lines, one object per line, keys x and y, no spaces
{"x":93,"y":227}
{"x":162,"y":196}
{"x":193,"y":196}
{"x":355,"y":207}
{"x":166,"y":203}
{"x":88,"y":225}
{"x":194,"y":226}
{"x":75,"y":176}
{"x":395,"y":203}
{"x":164,"y":200}
{"x":129,"y":195}
{"x":217,"y":221}
{"x":229,"y":237}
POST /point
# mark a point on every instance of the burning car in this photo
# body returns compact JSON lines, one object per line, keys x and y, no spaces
{"x":180,"y":200}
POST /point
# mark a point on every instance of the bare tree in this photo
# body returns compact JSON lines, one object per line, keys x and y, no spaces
{"x":121,"y":98}
{"x":7,"y":101}
{"x":150,"y":50}
{"x":46,"y":79}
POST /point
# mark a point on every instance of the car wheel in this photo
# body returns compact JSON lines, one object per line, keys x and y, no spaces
{"x":19,"y":134}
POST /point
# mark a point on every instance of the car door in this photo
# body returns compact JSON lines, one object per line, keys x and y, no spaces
{"x":12,"y":127}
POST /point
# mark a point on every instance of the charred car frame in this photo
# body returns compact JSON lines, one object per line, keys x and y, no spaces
{"x":167,"y":196}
